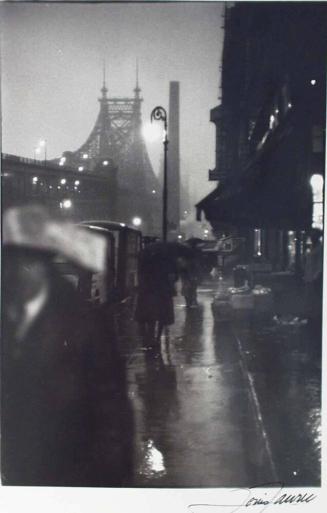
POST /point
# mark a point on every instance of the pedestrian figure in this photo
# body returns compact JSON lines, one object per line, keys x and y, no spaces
{"x":155,"y":307}
{"x":65,"y":414}
{"x":189,"y":279}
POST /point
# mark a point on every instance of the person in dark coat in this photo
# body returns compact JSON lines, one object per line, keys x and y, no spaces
{"x":189,"y":277}
{"x":65,"y":418}
{"x":155,"y":306}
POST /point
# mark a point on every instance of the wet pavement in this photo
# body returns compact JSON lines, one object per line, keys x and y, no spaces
{"x":218,"y":405}
{"x":284,"y":362}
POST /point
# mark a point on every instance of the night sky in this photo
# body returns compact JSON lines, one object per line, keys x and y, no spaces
{"x":52,"y":57}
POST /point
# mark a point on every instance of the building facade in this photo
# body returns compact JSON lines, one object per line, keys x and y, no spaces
{"x":270,"y":130}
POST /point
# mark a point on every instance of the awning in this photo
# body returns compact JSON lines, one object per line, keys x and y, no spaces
{"x":261,"y":202}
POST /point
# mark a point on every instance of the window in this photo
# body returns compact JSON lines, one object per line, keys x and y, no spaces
{"x":257,"y":242}
{"x":317,"y":185}
{"x":317,"y":139}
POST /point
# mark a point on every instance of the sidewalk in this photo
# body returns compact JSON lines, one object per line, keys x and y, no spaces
{"x":197,"y":400}
{"x":195,"y":425}
{"x":283,"y":360}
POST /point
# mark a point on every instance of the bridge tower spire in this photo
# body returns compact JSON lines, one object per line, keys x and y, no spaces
{"x":104,"y":88}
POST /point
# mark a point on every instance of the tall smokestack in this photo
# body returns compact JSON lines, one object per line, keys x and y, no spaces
{"x":173,"y":178}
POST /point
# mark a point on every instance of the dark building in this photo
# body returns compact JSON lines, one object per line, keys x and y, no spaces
{"x":115,"y":149}
{"x":270,"y":130}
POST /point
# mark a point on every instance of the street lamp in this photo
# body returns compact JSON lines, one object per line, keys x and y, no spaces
{"x":137,"y":221}
{"x":67,"y":203}
{"x":159,"y":114}
{"x":43,"y":144}
{"x":37,"y":151}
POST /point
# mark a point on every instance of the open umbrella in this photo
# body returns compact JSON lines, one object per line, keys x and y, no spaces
{"x":194,"y":242}
{"x":168,"y":250}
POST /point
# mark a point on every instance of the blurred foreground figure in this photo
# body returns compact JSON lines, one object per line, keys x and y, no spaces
{"x":65,"y":414}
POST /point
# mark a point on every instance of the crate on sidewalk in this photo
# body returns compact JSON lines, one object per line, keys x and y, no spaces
{"x":242,"y":302}
{"x":263,"y":299}
{"x":263,"y":303}
{"x":221,"y":308}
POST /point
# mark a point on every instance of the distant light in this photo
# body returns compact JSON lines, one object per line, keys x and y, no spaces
{"x":122,"y":224}
{"x":206,"y":231}
{"x":185,"y":212}
{"x":85,"y":156}
{"x":35,"y":179}
{"x":58,"y":187}
{"x":50,"y":187}
{"x":42,"y":143}
{"x":277,"y":111}
{"x":137,"y":221}
{"x":81,"y":168}
{"x":76,"y":188}
{"x":271,"y":121}
{"x":61,"y":163}
{"x":289,"y":105}
{"x":63,"y":181}
{"x":67,"y":203}
{"x":37,"y":151}
{"x":313,"y":81}
{"x":105,"y":162}
{"x":153,"y":191}
{"x":180,"y":236}
{"x":76,"y":182}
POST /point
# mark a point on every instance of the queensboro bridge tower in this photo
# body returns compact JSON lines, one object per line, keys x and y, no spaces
{"x":116,"y":150}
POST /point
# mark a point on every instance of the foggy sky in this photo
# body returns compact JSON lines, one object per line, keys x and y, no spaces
{"x":52,"y":57}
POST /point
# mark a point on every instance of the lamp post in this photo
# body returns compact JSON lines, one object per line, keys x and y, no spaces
{"x":159,"y":114}
{"x":37,"y":151}
{"x":43,"y":144}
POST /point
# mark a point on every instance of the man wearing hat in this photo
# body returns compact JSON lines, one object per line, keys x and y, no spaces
{"x":65,"y":414}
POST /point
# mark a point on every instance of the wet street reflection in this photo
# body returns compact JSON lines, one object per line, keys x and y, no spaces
{"x":221,"y":404}
{"x":193,"y":414}
{"x":285,"y":362}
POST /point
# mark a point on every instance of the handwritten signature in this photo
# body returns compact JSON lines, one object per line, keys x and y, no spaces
{"x":251,"y":499}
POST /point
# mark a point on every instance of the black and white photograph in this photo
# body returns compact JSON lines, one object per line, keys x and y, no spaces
{"x":162,"y":201}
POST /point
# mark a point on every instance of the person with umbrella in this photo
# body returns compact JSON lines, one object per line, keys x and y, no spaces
{"x":158,"y":273}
